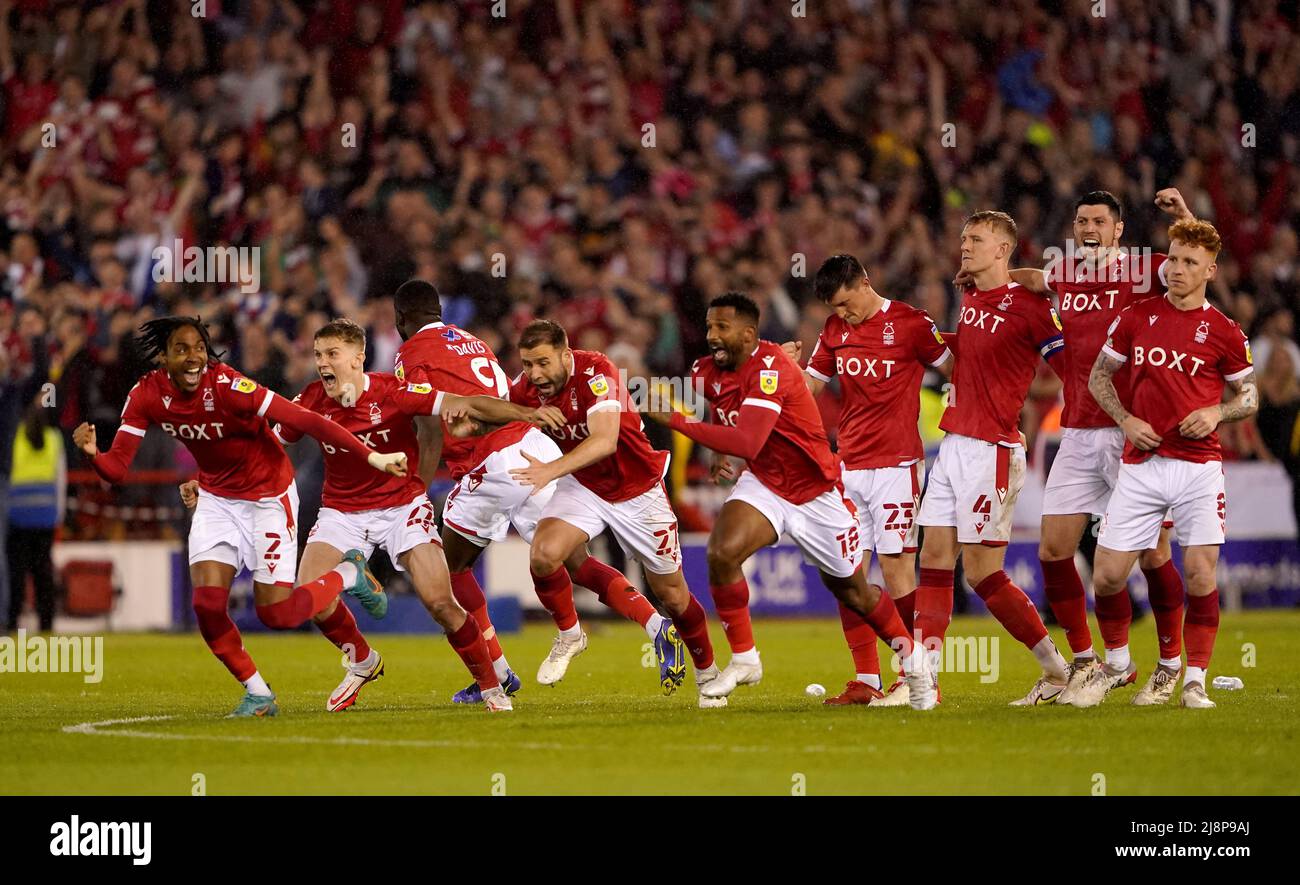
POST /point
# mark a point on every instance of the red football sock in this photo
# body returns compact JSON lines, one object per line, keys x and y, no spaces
{"x":464,"y":586}
{"x":884,"y":620}
{"x":304,"y":602}
{"x":693,"y":628}
{"x":1165,"y":592}
{"x":732,"y":603}
{"x":862,"y":641}
{"x":933,"y":605}
{"x":1114,"y":614}
{"x":906,"y":606}
{"x":341,"y":629}
{"x":1200,"y":627}
{"x":220,"y":632}
{"x":468,"y":643}
{"x":556,"y":593}
{"x":614,"y":590}
{"x":1009,"y":604}
{"x":1065,"y":595}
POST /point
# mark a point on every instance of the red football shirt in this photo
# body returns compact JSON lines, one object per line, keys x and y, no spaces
{"x":593,"y":386}
{"x":221,"y":424}
{"x":796,"y":461}
{"x":1001,"y":335}
{"x":1088,"y":302}
{"x":1179,"y":361}
{"x":880,"y":363}
{"x":454,"y":361}
{"x":381,"y":419}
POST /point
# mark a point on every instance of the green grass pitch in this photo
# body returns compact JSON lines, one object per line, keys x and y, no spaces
{"x":607,"y":730}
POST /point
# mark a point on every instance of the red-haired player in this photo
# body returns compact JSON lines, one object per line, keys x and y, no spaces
{"x":248,"y":515}
{"x":1181,"y":353}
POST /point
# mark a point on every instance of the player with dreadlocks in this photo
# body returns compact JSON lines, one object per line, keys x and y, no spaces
{"x":248,"y":513}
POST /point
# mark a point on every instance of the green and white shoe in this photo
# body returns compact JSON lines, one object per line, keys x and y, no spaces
{"x":255,"y":705}
{"x":366,"y":589}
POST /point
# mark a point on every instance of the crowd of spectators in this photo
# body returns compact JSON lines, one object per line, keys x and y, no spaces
{"x":611,"y":164}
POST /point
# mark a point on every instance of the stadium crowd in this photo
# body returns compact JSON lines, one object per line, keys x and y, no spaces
{"x":608,"y":164}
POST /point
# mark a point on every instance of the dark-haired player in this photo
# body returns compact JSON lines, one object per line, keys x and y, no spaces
{"x":1182,"y":352}
{"x":1003,"y":331}
{"x":1091,"y":289}
{"x":248,"y":514}
{"x":763,"y":412}
{"x":880,"y":350}
{"x":362,"y":510}
{"x":487,"y":499}
{"x":609,"y":477}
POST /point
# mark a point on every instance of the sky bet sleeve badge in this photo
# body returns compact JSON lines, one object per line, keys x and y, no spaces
{"x":245,"y":385}
{"x":599,"y":386}
{"x":767,"y":380}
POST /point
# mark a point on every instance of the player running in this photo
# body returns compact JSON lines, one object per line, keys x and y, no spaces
{"x":763,"y":412}
{"x":487,"y":499}
{"x":1004,"y":329}
{"x":609,"y":477}
{"x":1091,"y":291}
{"x":880,"y":350}
{"x":362,"y":511}
{"x":1181,"y":352}
{"x":249,"y":512}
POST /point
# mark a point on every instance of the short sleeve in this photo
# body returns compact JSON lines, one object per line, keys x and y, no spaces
{"x":821,"y":365}
{"x":417,"y":399}
{"x":135,"y":419}
{"x":1236,"y":362}
{"x":246,"y":397}
{"x":931,"y":348}
{"x":1045,"y":327}
{"x":769,"y":386}
{"x":599,"y":388}
{"x":1119,"y":337}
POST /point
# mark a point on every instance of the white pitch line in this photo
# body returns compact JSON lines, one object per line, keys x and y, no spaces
{"x":104,"y":728}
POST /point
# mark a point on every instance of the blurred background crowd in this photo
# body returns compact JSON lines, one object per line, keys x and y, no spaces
{"x":612,"y":164}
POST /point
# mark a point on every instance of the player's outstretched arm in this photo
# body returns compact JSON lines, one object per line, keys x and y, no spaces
{"x":602,"y":440}
{"x":1101,"y":383}
{"x":295,"y":417}
{"x":753,"y":426}
{"x":1171,"y":202}
{"x":494,"y":411}
{"x":1245,"y":402}
{"x":113,"y":464}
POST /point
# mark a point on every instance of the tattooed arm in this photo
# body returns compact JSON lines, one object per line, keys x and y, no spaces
{"x":1101,"y":383}
{"x":1245,"y":403}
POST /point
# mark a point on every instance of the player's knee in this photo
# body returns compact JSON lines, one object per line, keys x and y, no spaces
{"x":1154,"y":559}
{"x":544,"y":559}
{"x":724,"y":558}
{"x":1199,"y":577}
{"x":1052,"y":549}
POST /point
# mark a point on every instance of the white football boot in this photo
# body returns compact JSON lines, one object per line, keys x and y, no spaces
{"x":1044,"y":691}
{"x":702,"y":678}
{"x":922,"y":684}
{"x":734,"y":674}
{"x":898,"y":695}
{"x":357,"y":675}
{"x":495,"y":700}
{"x":1079,"y":672}
{"x":563,"y":651}
{"x":1194,"y":697}
{"x":1159,"y":688}
{"x":1102,"y":681}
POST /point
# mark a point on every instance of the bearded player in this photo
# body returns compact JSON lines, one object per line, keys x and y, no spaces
{"x":1091,"y":291}
{"x":609,"y":477}
{"x":763,"y":412}
{"x":248,"y":514}
{"x":1181,"y":353}
{"x":880,"y":350}
{"x":487,"y":499}
{"x":1003,"y":331}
